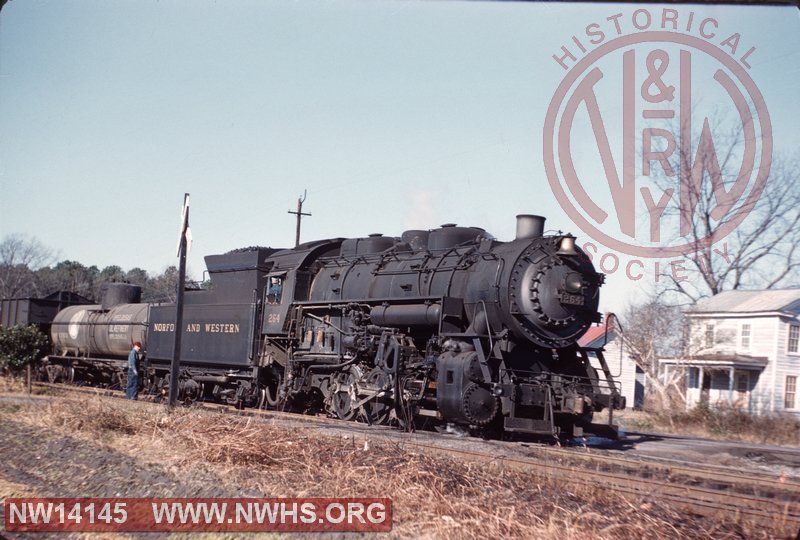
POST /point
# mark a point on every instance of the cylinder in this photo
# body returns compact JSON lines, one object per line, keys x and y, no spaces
{"x":93,"y":331}
{"x":529,"y":226}
{"x":406,"y":315}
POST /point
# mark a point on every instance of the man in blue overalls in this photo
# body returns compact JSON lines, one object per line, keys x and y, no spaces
{"x":132,"y":391}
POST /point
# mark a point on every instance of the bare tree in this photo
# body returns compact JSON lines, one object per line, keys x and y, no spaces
{"x":650,"y":331}
{"x":762,"y":251}
{"x":164,"y":287}
{"x":137,"y":276}
{"x":20,"y":257}
{"x":69,"y":276}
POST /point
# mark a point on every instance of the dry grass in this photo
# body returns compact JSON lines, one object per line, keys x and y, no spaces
{"x":433,"y":497}
{"x":721,"y":423}
{"x":11,"y":385}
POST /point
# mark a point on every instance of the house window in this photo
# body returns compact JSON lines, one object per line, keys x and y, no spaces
{"x":742,"y":383}
{"x":790,"y":392}
{"x":709,"y":336}
{"x":746,"y":336}
{"x":794,"y":338}
{"x":694,"y":375}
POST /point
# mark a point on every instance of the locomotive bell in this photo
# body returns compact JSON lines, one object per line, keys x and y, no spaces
{"x":567,"y":246}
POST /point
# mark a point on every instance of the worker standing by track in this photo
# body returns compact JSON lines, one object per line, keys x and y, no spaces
{"x":132,"y":391}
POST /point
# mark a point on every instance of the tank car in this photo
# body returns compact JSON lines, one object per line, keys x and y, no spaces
{"x":96,"y":338}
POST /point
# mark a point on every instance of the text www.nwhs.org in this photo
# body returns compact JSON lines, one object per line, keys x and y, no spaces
{"x":198,"y":514}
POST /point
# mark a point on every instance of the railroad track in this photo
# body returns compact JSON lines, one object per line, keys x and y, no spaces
{"x":695,"y":488}
{"x":721,"y":476}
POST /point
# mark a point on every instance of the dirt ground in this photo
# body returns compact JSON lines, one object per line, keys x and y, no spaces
{"x":85,"y":446}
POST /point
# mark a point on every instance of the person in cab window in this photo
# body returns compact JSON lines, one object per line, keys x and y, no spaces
{"x":275,"y":290}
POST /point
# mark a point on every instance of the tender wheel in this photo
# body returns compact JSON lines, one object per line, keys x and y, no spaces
{"x":163,"y":386}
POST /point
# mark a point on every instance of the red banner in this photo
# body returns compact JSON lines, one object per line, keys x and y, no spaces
{"x":198,"y":514}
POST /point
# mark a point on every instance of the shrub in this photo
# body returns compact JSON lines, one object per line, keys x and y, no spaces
{"x":20,"y":346}
{"x":728,"y":422}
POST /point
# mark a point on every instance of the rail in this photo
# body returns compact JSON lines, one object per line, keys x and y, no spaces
{"x":764,"y":498}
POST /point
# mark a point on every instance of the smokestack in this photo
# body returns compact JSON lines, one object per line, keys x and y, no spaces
{"x":529,"y":226}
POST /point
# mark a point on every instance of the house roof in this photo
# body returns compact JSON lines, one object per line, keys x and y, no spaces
{"x":595,"y":336}
{"x":783,"y":301}
{"x":720,"y":360}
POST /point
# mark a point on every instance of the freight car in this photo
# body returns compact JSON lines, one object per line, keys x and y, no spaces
{"x":441,"y":329}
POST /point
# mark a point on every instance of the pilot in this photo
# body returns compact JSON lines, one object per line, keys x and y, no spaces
{"x":275,"y":290}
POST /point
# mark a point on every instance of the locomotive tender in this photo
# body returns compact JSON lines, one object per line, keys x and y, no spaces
{"x":440,"y":328}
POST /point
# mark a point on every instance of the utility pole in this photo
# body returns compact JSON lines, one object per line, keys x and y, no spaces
{"x":183,"y":242}
{"x":300,"y":215}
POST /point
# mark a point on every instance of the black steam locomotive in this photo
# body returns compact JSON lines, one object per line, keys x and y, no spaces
{"x":441,"y":328}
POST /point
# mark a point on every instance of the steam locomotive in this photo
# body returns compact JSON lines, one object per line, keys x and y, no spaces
{"x":447,"y":328}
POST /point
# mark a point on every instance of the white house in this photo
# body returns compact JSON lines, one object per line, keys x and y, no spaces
{"x":744,"y":351}
{"x":629,"y":377}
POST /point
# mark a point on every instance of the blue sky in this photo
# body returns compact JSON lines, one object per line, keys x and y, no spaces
{"x":393,"y":115}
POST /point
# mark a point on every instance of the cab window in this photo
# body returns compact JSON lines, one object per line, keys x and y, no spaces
{"x":275,"y":289}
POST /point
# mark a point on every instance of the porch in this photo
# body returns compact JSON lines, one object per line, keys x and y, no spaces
{"x":720,"y":379}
